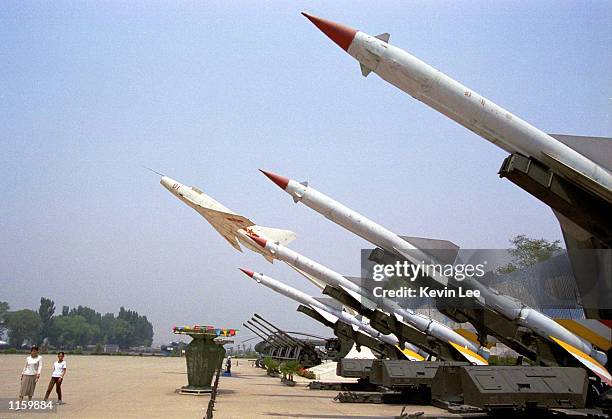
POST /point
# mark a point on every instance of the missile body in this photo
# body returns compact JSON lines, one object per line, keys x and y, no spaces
{"x":327,"y":310}
{"x":457,"y":102}
{"x":301,"y":263}
{"x":508,"y":307}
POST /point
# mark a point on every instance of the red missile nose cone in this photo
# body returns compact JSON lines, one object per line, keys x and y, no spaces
{"x":247,"y":272}
{"x":281,"y":181}
{"x":258,"y":240}
{"x":340,"y":34}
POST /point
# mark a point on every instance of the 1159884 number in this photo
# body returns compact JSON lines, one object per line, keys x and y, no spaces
{"x":30,"y":405}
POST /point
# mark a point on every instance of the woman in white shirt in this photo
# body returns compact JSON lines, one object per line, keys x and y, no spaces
{"x":57,"y":377}
{"x":30,"y":374}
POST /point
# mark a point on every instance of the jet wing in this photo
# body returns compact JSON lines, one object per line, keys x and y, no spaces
{"x":226,"y":224}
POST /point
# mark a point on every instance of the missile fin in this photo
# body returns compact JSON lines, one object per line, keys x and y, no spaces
{"x":586,"y":360}
{"x":443,"y":251}
{"x":411,"y":355}
{"x":593,"y":330}
{"x":578,"y":177}
{"x":383,"y":37}
{"x":598,"y":149}
{"x":320,"y":284}
{"x":327,"y":316}
{"x":470,"y":355}
{"x":329,"y":302}
{"x":365,"y":71}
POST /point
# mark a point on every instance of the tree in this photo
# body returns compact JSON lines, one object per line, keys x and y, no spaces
{"x":527,"y":252}
{"x":23,"y":326}
{"x":65,"y":310}
{"x":4,"y":308}
{"x":122,"y":333}
{"x":142,"y":329}
{"x":45,"y":312}
{"x":73,"y":330}
{"x":106,"y":327}
{"x":91,"y":315}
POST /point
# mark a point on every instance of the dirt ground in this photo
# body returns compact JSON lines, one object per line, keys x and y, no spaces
{"x":138,"y":387}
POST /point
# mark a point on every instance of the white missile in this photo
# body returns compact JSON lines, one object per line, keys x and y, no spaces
{"x":470,"y":350}
{"x":333,"y":314}
{"x":465,"y":106}
{"x":508,"y":307}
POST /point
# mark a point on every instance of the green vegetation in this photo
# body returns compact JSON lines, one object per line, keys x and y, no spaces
{"x":288,"y":369}
{"x":508,"y":360}
{"x":23,"y":325}
{"x":527,"y":252}
{"x":75,"y":328}
{"x":271,"y":366}
{"x":4,"y":308}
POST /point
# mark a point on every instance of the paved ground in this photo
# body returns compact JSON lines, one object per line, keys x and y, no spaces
{"x":135,"y":387}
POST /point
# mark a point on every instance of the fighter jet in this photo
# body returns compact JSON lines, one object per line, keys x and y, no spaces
{"x":234,"y":228}
{"x":571,"y":174}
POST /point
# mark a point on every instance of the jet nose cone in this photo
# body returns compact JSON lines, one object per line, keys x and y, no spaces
{"x":340,"y":34}
{"x":168,"y":183}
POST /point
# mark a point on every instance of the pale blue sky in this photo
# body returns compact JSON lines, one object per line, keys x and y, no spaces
{"x":208,"y":92}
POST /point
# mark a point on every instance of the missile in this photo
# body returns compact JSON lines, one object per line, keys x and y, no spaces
{"x":508,"y":307}
{"x":464,"y":106}
{"x":333,"y":314}
{"x":468,"y":349}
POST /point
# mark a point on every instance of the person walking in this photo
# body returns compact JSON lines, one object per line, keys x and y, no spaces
{"x":30,"y":374}
{"x":228,"y":365}
{"x":57,"y":377}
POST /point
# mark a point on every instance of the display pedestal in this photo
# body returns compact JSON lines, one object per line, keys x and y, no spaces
{"x":204,"y":355}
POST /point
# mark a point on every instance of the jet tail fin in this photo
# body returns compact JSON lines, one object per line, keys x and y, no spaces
{"x":276,"y":235}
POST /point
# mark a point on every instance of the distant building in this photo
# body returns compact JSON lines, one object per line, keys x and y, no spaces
{"x":111,"y":348}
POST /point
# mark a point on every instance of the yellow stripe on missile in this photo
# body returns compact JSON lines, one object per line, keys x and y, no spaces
{"x":410,"y":354}
{"x":471,"y":356}
{"x":586,"y":360}
{"x":584,"y":332}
